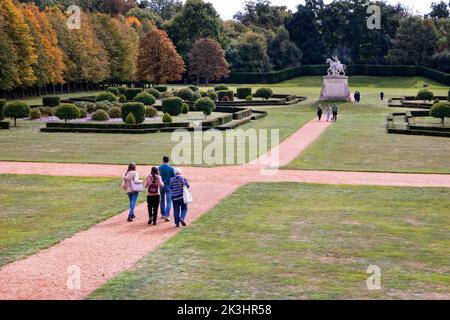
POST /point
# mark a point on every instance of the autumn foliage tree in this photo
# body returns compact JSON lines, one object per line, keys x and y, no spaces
{"x":207,"y":61}
{"x":158,"y":59}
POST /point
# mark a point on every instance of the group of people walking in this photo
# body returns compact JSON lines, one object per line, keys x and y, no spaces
{"x":328,"y":112}
{"x":165,"y":187}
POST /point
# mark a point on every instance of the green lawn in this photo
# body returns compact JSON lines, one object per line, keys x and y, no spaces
{"x":359,"y":142}
{"x":26,"y":143}
{"x":300,"y":241}
{"x":39,"y":211}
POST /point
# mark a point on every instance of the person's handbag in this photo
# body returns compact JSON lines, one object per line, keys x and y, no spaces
{"x":136,"y":186}
{"x":187,"y":196}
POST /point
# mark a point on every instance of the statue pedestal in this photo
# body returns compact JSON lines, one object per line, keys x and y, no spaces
{"x":335,"y":88}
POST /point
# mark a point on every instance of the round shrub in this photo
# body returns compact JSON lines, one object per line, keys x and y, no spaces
{"x":161,"y":88}
{"x":167,"y":118}
{"x":136,"y":108}
{"x":47,"y":111}
{"x":193,"y":88}
{"x":196,"y":96}
{"x":203,"y":94}
{"x":166,"y":94}
{"x":243,"y":93}
{"x":212,"y":95}
{"x":105,"y":96}
{"x":102,"y":105}
{"x":220,"y":87}
{"x":130,"y":119}
{"x":51,"y":101}
{"x":35,"y":114}
{"x":225,"y":93}
{"x":122,"y":89}
{"x":441,"y":110}
{"x":145,"y":98}
{"x":122,"y":98}
{"x":67,"y":111}
{"x":185,"y":94}
{"x":83,"y":113}
{"x":114,"y":113}
{"x":150,"y":112}
{"x":172,"y":106}
{"x":88,"y":106}
{"x":2,"y":107}
{"x":16,"y":110}
{"x":185,"y":109}
{"x":425,"y":94}
{"x":100,"y":115}
{"x":264,"y":93}
{"x":114,"y":91}
{"x":249,"y":98}
{"x":206,"y":105}
{"x":131,"y":93}
{"x":154,"y":92}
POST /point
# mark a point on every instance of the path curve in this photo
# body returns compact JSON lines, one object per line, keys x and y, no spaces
{"x":113,"y":246}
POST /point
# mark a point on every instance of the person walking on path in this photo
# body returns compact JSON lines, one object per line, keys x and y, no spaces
{"x":335,"y":112}
{"x":167,"y":173}
{"x":319,"y":112}
{"x":328,"y":112}
{"x":382,"y":95}
{"x":177,"y":184}
{"x":153,"y":183}
{"x":129,"y":183}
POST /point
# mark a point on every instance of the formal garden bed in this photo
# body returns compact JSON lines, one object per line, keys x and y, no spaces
{"x":423,"y":100}
{"x":416,"y":123}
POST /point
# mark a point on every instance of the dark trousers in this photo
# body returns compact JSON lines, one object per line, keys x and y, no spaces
{"x":335,"y":116}
{"x":152,"y":205}
{"x":319,"y":115}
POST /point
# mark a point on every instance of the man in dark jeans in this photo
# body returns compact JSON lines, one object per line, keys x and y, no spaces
{"x":166,"y":172}
{"x":335,"y":112}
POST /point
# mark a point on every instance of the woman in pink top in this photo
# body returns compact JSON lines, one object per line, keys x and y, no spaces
{"x":152,"y":183}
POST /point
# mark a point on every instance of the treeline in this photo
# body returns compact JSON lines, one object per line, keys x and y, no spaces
{"x":155,"y":41}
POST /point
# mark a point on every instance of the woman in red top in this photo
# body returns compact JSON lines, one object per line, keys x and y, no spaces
{"x":152,"y":183}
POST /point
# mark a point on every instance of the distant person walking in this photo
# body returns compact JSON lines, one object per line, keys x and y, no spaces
{"x":132,"y":186}
{"x":180,"y":209}
{"x":335,"y":112}
{"x":167,"y":173}
{"x":382,"y":95}
{"x":328,"y":112}
{"x":153,"y":183}
{"x":319,"y":112}
{"x":357,"y":96}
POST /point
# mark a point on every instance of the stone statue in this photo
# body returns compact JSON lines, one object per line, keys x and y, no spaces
{"x":336,"y":67}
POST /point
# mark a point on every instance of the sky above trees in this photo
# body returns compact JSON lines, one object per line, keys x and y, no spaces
{"x":227,"y":8}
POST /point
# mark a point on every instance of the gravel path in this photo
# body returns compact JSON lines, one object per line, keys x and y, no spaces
{"x":113,"y":246}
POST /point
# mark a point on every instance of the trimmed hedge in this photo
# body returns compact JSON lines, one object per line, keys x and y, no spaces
{"x":185,"y":94}
{"x":161,"y":88}
{"x":2,"y":107}
{"x":135,"y":108}
{"x":131,"y":93}
{"x":220,"y":87}
{"x":150,"y":112}
{"x":16,"y":110}
{"x":100,"y":115}
{"x":172,"y":106}
{"x":114,"y":91}
{"x":154,"y":92}
{"x":145,"y":98}
{"x":106,"y":96}
{"x":114,"y":113}
{"x":243,"y":93}
{"x":185,"y":109}
{"x":5,"y":125}
{"x":225,"y":93}
{"x":67,"y":111}
{"x":51,"y":101}
{"x":206,"y":105}
{"x":35,"y":114}
{"x":440,"y":110}
{"x":167,"y":118}
{"x":425,"y":94}
{"x":264,"y":93}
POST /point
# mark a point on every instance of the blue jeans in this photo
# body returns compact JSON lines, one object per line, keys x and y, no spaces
{"x":133,"y":196}
{"x":166,"y":201}
{"x":179,"y":211}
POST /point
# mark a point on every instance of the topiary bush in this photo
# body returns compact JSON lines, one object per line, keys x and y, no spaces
{"x":225,"y":93}
{"x":131,"y":93}
{"x":243,"y":93}
{"x":122,"y":98}
{"x":105,"y":96}
{"x":206,"y":105}
{"x":47,"y":111}
{"x":441,"y":110}
{"x":154,"y":92}
{"x":167,"y":94}
{"x":102,"y":105}
{"x":2,"y":108}
{"x":185,"y":94}
{"x":193,"y":88}
{"x":145,"y":98}
{"x":122,"y":89}
{"x":212,"y":96}
{"x":83,"y":113}
{"x":16,"y":110}
{"x":425,"y":94}
{"x":167,"y":118}
{"x":249,"y":98}
{"x":35,"y":114}
{"x":264,"y":93}
{"x":196,"y":96}
{"x":203,"y":94}
{"x":220,"y":87}
{"x":172,"y":106}
{"x":100,"y":115}
{"x":51,"y":101}
{"x":161,"y":88}
{"x":130,"y":119}
{"x":114,"y":91}
{"x":150,"y":112}
{"x":114,"y":113}
{"x":67,"y":111}
{"x":185,"y":109}
{"x":136,"y":108}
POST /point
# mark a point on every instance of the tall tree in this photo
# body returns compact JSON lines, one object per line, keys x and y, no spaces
{"x":249,"y":53}
{"x":8,"y":60}
{"x":158,"y":60}
{"x":439,"y":10}
{"x":196,"y":20}
{"x":282,"y":52}
{"x":166,"y":9}
{"x":207,"y":61}
{"x":262,"y":13}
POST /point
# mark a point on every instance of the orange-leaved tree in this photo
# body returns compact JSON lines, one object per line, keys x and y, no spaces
{"x":158,"y":59}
